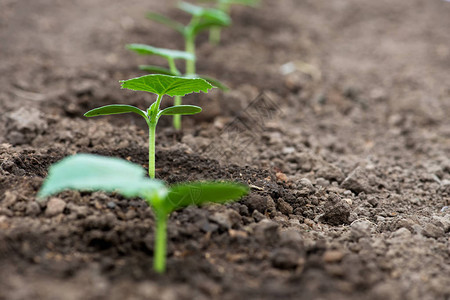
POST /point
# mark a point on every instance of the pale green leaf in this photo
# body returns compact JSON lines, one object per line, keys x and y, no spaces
{"x":198,"y":193}
{"x":212,"y":16}
{"x":167,"y":85}
{"x":214,"y":82}
{"x":88,"y":172}
{"x":181,"y":110}
{"x":253,"y":3}
{"x":113,"y":110}
{"x":166,"y":21}
{"x":162,"y":52}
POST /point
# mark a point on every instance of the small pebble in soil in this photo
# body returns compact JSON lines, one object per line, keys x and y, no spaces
{"x":266,"y":231}
{"x":337,"y":211}
{"x":285,"y":258}
{"x":111,"y":205}
{"x":305,"y":187}
{"x":32,"y":209}
{"x":432,"y":231}
{"x":55,"y":206}
{"x":357,"y":181}
{"x":284,"y":207}
{"x":260,"y":203}
{"x":333,"y":256}
{"x":361,"y":228}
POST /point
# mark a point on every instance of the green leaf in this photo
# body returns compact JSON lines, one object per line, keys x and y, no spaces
{"x":167,"y":85}
{"x":205,"y":25}
{"x":253,"y":3}
{"x":166,"y":21}
{"x":113,"y":110}
{"x":208,"y":17}
{"x":181,"y":110}
{"x":156,"y":70}
{"x":214,"y":82}
{"x":90,"y":172}
{"x":162,"y":52}
{"x":198,"y":193}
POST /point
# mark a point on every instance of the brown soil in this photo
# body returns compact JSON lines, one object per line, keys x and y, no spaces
{"x":350,"y":174}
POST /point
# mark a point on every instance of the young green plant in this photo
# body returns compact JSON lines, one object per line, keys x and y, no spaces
{"x":170,"y":55}
{"x":159,"y":85}
{"x":225,"y":6}
{"x":202,"y":19}
{"x":89,"y":172}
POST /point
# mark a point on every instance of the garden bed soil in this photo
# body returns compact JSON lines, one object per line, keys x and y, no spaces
{"x":349,"y":169}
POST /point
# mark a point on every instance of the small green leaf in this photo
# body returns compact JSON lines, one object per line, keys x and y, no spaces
{"x":162,"y":52}
{"x":156,"y":70}
{"x":181,"y":110}
{"x":113,"y":110}
{"x":211,"y":14}
{"x":198,"y":193}
{"x":207,"y":24}
{"x":166,"y":21}
{"x":167,"y":85}
{"x":97,"y":173}
{"x":214,"y":82}
{"x":253,"y":3}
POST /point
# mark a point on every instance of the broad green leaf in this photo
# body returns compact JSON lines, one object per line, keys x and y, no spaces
{"x":198,"y":193}
{"x":166,"y":21}
{"x":167,"y":85}
{"x":181,"y":110}
{"x":97,"y":173}
{"x":156,"y":70}
{"x":162,"y":52}
{"x":113,"y":110}
{"x":214,"y":82}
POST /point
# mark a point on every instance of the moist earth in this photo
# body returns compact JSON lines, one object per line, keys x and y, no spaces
{"x":337,"y":118}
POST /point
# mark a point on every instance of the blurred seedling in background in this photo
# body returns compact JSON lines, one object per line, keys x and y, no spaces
{"x":225,"y":6}
{"x":170,"y":55}
{"x":202,"y":19}
{"x":159,"y":85}
{"x":87,"y":172}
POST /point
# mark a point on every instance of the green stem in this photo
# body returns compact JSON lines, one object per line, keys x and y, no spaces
{"x":177,"y":118}
{"x":151,"y":150}
{"x":190,"y":47}
{"x":172,"y":66}
{"x":159,"y":262}
{"x":153,"y":120}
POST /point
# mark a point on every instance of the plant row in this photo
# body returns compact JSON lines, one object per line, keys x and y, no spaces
{"x":89,"y":172}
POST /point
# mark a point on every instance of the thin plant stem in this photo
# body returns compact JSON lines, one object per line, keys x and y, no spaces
{"x":177,"y":118}
{"x":159,"y":260}
{"x":153,"y":120}
{"x":190,"y":47}
{"x":172,"y":66}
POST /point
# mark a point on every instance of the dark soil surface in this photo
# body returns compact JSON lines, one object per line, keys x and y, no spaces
{"x":349,"y":168}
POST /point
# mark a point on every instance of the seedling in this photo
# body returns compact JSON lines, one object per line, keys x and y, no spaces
{"x":170,"y":55}
{"x":225,"y":6}
{"x":159,"y":85}
{"x":89,"y":172}
{"x":202,"y":19}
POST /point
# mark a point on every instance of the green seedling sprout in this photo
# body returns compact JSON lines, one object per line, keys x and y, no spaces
{"x":159,"y":85}
{"x":170,"y":55}
{"x":89,"y":172}
{"x":202,"y":19}
{"x":225,"y":6}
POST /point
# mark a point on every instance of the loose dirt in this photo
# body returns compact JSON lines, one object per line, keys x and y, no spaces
{"x":348,"y":161}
